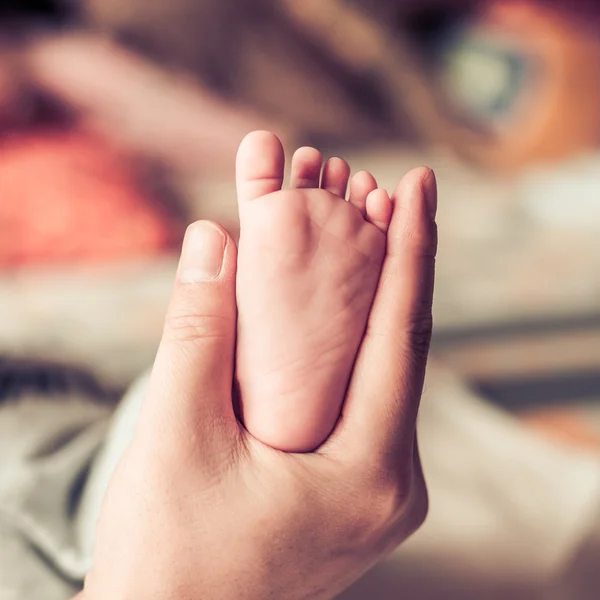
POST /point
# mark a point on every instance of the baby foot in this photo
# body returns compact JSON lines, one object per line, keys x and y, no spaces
{"x":308,"y":268}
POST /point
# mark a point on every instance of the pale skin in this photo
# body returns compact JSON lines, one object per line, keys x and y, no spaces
{"x":308,"y":267}
{"x":199,"y":508}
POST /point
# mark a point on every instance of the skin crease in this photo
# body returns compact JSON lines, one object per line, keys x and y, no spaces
{"x":198,"y":508}
{"x":308,"y":267}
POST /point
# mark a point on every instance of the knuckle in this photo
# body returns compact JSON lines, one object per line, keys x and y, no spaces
{"x":380,"y":510}
{"x":195,"y":327}
{"x":419,"y":507}
{"x":432,"y":240}
{"x":399,"y":503}
{"x":420,"y":334}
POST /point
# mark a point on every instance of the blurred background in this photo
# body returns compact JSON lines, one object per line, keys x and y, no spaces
{"x":119,"y":122}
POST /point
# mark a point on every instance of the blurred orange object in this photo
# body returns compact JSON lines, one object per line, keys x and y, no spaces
{"x":564,"y":425}
{"x":67,"y":197}
{"x":558,"y":114}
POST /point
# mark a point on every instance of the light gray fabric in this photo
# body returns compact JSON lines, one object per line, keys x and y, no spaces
{"x":49,"y":436}
{"x":512,"y":516}
{"x":118,"y":437}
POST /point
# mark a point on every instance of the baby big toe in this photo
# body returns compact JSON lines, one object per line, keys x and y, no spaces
{"x":259,"y":167}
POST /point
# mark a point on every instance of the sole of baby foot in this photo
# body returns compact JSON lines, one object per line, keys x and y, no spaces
{"x":308,"y":268}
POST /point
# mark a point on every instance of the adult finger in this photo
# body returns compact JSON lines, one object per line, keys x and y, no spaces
{"x":189,"y":397}
{"x":381,"y":407}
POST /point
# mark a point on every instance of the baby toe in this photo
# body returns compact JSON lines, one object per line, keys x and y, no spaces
{"x":379,"y":209}
{"x":306,"y":168}
{"x":362,"y":184}
{"x":335,"y":177}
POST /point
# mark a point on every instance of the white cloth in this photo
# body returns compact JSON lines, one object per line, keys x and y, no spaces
{"x":509,"y":510}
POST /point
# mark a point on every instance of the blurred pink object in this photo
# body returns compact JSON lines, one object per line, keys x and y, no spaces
{"x":67,"y":197}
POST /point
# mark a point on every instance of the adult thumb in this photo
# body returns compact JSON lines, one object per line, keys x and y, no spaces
{"x":190,"y":391}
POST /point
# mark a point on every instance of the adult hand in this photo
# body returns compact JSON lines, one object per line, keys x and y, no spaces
{"x":199,"y":509}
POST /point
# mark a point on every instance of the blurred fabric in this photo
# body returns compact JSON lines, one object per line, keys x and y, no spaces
{"x":119,"y":122}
